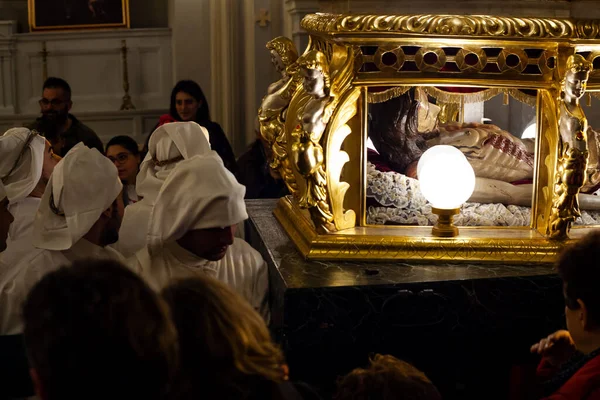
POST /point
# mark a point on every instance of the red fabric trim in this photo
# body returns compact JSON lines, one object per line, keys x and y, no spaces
{"x":165,"y":119}
{"x":452,"y":89}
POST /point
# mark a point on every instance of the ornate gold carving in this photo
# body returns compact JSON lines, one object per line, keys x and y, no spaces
{"x":573,"y":151}
{"x":547,"y":62}
{"x":271,"y":114}
{"x":512,"y":60}
{"x":329,"y":84}
{"x":312,"y":132}
{"x":393,"y":243}
{"x":307,"y":151}
{"x":454,"y":25}
{"x":471,"y":59}
{"x":393,"y":51}
{"x":343,"y":103}
{"x":423,"y":56}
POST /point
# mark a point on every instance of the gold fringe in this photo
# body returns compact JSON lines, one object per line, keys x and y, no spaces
{"x":506,"y":99}
{"x":388,"y":94}
{"x":523,"y":97}
{"x":447,"y":97}
{"x":589,"y":100}
{"x":455,"y":98}
{"x":595,"y":94}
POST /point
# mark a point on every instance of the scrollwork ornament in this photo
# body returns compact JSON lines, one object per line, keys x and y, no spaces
{"x":455,"y":25}
{"x":571,"y":170}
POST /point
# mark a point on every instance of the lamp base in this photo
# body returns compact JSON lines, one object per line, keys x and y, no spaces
{"x":444,"y":227}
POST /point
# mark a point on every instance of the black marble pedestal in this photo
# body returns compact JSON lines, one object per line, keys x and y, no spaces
{"x":464,"y":325}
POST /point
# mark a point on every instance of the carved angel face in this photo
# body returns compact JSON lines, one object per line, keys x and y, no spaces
{"x":313,"y":82}
{"x":277,"y":61}
{"x":575,"y":84}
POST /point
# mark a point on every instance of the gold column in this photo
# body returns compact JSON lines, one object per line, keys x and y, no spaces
{"x":127,"y":104}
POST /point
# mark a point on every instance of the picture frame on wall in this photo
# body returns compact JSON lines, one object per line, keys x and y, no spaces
{"x":56,"y":15}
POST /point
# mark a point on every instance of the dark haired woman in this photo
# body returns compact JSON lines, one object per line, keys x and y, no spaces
{"x":189,"y":104}
{"x":123,"y":151}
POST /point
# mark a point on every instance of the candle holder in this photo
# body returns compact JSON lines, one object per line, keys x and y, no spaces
{"x":44,"y":54}
{"x":127,"y":103}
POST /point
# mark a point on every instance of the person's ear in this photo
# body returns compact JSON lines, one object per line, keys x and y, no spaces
{"x":69,"y":105}
{"x":582,"y":315}
{"x":37,"y":384}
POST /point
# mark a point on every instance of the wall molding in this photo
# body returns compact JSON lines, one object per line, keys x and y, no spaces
{"x":107,"y":124}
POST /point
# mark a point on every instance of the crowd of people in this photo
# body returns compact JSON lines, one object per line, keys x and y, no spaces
{"x":122,"y":271}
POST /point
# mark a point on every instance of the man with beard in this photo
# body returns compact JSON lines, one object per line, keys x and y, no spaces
{"x":26,"y":163}
{"x":60,"y":127}
{"x":77,"y":218}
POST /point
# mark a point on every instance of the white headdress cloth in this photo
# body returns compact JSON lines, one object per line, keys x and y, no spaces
{"x":2,"y":191}
{"x":28,"y":170}
{"x":200,"y":193}
{"x":168,"y":142}
{"x":83,"y":185}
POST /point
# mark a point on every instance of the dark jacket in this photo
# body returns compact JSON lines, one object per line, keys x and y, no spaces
{"x":253,"y":172}
{"x":78,"y":132}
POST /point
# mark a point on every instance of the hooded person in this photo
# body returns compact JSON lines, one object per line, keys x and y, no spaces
{"x":168,"y":145}
{"x":6,"y":218}
{"x":191,"y":232}
{"x":77,"y":218}
{"x":26,"y":163}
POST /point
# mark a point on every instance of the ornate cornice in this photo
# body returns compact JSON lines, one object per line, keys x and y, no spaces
{"x":454,"y":25}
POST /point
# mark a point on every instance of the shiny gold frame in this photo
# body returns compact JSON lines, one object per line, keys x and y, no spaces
{"x":333,"y":226}
{"x":35,"y":28}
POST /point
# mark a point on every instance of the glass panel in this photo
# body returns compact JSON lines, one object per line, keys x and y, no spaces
{"x":589,"y":200}
{"x":497,"y":139}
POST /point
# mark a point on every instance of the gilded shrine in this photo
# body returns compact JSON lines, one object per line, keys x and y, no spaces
{"x":373,"y":90}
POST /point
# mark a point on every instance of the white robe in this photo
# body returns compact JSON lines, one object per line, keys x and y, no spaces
{"x":14,"y":289}
{"x":20,"y":236}
{"x":134,"y":228}
{"x":242,"y":268}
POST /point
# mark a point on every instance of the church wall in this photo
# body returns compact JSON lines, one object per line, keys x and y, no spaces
{"x":91,"y":62}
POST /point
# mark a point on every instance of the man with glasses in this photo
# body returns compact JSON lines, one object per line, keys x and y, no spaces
{"x":60,"y":127}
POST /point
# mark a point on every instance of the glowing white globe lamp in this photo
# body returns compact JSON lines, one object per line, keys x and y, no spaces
{"x":447,"y":180}
{"x":530,"y":132}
